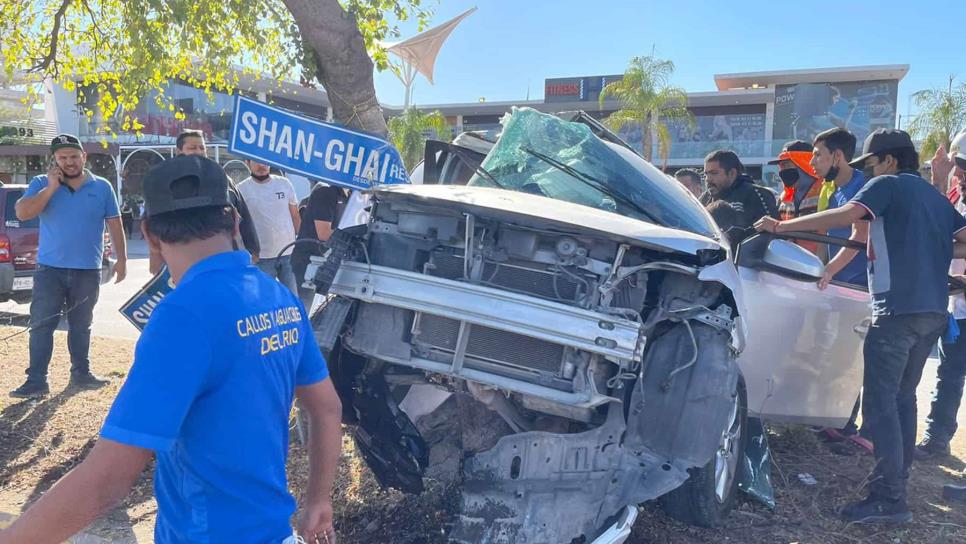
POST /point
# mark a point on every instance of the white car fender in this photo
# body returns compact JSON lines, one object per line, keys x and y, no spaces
{"x":726,"y":274}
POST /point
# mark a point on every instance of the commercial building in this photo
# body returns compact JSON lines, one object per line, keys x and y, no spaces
{"x":751,"y":113}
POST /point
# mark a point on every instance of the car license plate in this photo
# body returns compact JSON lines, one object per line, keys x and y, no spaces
{"x":22,"y":284}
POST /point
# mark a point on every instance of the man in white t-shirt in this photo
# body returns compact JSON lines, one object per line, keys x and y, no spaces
{"x":274,"y":208}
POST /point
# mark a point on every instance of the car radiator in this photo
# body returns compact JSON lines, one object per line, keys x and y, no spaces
{"x":487,"y":348}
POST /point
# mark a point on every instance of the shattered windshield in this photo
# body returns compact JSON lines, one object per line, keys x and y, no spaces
{"x":544,"y":155}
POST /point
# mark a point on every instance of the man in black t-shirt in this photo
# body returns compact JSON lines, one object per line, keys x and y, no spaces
{"x":320,"y":218}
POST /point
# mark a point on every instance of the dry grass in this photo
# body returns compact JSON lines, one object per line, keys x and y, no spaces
{"x":41,"y":441}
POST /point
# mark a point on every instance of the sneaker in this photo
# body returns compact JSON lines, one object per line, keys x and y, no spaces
{"x":86,"y":380}
{"x":954,"y":493}
{"x":931,"y":448}
{"x":31,"y":390}
{"x":877,"y":510}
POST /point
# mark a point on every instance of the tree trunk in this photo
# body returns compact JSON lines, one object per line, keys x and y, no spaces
{"x":343,"y":66}
{"x":648,"y":149}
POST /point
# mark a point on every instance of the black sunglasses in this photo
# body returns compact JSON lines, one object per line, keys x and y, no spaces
{"x":961,"y":163}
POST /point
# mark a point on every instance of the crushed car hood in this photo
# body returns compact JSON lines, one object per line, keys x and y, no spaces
{"x":542,"y":212}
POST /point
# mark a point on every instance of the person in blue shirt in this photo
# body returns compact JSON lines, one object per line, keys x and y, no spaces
{"x":832,"y":151}
{"x":73,"y":206}
{"x":910,"y":247}
{"x":210,"y":392}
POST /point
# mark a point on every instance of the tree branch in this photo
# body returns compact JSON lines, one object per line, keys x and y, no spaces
{"x":49,"y":60}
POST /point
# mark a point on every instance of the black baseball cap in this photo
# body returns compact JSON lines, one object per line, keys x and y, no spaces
{"x":62,"y":141}
{"x":794,"y":145}
{"x":183,"y":183}
{"x":880,"y":141}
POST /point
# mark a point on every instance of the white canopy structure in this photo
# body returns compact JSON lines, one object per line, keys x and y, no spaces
{"x":418,"y":54}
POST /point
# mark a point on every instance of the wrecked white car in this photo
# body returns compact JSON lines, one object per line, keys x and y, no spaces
{"x":553,"y":324}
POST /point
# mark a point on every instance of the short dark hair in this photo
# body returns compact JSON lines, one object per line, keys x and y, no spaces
{"x":727,"y":159}
{"x":837,"y":139}
{"x":797,"y":145}
{"x":906,"y":157}
{"x":189,"y":133}
{"x":182,"y":226}
{"x":690,"y":172}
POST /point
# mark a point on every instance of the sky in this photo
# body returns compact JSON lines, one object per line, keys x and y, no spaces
{"x":508,"y":47}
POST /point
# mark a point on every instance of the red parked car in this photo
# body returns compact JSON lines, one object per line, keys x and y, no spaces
{"x":18,"y":249}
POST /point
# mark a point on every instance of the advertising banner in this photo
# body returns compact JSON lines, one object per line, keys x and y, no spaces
{"x":805,"y":109}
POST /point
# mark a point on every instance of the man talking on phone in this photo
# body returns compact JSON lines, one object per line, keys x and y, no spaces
{"x":73,"y":205}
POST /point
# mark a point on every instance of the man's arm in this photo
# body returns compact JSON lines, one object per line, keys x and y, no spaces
{"x":293,"y":209}
{"x":116,"y":229}
{"x":860,"y":233}
{"x":323,"y":229}
{"x":821,"y":221}
{"x":959,"y":248}
{"x":325,"y":445}
{"x":246,"y":225}
{"x":81,"y":496}
{"x":34,"y":201}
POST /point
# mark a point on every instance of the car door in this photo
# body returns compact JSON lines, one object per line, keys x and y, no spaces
{"x":803,"y":359}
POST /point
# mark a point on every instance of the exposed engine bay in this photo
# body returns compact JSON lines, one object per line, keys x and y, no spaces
{"x":559,"y":372}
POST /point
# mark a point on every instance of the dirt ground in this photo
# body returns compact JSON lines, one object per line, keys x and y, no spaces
{"x":41,"y":441}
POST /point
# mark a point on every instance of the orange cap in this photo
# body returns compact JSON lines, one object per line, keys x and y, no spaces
{"x":802,"y":159}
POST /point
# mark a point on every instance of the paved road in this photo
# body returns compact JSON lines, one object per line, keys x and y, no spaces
{"x":107,"y":320}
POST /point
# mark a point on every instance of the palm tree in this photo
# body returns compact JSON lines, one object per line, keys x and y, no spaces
{"x":942,"y":113}
{"x":408,"y":133}
{"x":647,"y":99}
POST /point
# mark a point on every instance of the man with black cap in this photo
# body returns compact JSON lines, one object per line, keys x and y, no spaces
{"x":73,"y":205}
{"x":910,"y":247}
{"x":209,"y":393}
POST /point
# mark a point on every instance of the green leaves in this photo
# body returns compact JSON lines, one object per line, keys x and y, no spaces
{"x":118,"y":51}
{"x":408,"y":133}
{"x":942,"y":113}
{"x":646,"y":97}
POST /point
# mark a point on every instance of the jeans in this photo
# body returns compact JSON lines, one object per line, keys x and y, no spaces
{"x":54,"y":289}
{"x":895,"y":352}
{"x":280,"y":269}
{"x":941,"y":423}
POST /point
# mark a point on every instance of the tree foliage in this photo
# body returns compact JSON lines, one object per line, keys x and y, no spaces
{"x":408,"y":133}
{"x":647,"y":99}
{"x":120,"y":50}
{"x":942,"y":114}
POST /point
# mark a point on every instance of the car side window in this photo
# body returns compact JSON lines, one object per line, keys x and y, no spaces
{"x":10,"y":213}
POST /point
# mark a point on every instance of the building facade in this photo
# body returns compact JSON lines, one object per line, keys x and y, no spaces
{"x":753,"y":114}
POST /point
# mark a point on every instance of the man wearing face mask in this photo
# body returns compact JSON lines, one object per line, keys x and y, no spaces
{"x":800,"y":196}
{"x":833,"y":149}
{"x":908,"y":282}
{"x":801,"y":187}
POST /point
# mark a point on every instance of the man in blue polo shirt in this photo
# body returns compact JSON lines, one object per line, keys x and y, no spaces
{"x":210,"y":391}
{"x":73,"y":206}
{"x":910,"y":248}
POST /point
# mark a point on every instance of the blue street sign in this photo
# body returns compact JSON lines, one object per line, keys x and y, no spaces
{"x":138,"y":309}
{"x":326,"y":151}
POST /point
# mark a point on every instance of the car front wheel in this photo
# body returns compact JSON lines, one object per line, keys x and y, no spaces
{"x":708,"y":495}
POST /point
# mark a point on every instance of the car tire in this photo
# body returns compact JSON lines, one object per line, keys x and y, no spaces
{"x":706,"y":498}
